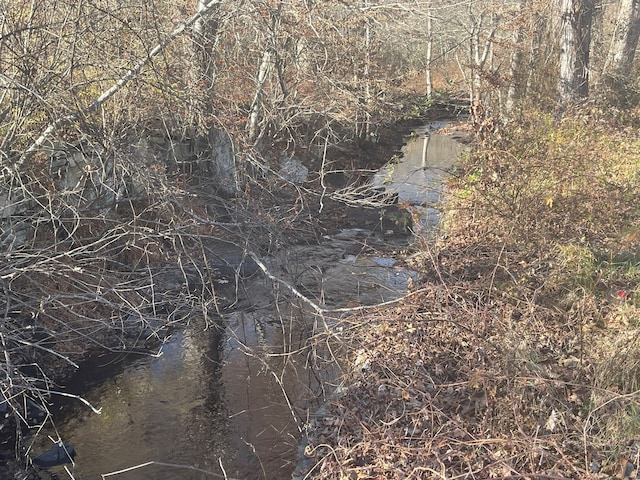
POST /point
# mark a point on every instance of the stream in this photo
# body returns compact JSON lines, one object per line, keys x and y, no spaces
{"x":232,"y":403}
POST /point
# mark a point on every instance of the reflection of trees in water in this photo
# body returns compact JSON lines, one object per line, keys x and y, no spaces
{"x":238,"y":397}
{"x":418,"y":175}
{"x":264,"y":378}
{"x":207,"y":431}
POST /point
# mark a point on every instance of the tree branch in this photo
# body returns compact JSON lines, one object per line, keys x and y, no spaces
{"x":115,"y":88}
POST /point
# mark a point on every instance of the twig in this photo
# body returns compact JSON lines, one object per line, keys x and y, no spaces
{"x":317,"y":308}
{"x":52,"y":352}
{"x":171,"y":465}
{"x":116,"y":87}
{"x":70,"y":395}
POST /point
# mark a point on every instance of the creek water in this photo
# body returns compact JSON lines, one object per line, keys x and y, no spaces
{"x":232,"y":403}
{"x":418,"y":176}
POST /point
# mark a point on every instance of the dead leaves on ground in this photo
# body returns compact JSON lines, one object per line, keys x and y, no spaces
{"x":446,"y":390}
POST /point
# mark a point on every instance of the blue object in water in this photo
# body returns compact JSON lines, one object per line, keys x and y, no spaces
{"x":57,"y":455}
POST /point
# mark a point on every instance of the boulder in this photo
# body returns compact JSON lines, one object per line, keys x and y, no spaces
{"x":292,"y":170}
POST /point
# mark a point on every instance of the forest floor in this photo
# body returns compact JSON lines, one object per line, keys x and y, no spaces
{"x":516,"y":356}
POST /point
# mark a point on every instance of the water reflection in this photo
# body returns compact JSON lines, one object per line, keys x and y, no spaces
{"x":419,"y":175}
{"x":267,"y":388}
{"x":188,"y":408}
{"x":165,"y":409}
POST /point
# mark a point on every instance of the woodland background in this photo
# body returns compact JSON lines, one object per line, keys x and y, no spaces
{"x":132,"y":132}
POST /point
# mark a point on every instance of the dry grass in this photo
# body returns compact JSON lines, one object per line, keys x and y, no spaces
{"x":518,"y":355}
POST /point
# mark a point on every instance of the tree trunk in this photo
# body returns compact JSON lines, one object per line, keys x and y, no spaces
{"x":363,"y":127}
{"x":575,"y":39}
{"x":479,"y":52}
{"x":428,"y":79}
{"x":256,"y":105}
{"x":515,"y":69}
{"x":514,"y":90}
{"x":204,"y":38}
{"x":617,"y":69}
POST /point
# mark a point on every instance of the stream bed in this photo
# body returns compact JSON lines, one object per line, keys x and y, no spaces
{"x":232,"y":403}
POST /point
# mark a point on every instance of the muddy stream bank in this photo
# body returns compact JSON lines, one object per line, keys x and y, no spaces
{"x":233,"y":401}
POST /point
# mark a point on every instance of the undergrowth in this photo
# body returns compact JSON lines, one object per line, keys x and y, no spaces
{"x":517,"y":357}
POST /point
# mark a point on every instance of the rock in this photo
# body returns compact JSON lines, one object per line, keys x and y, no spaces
{"x":59,"y":454}
{"x":294,"y":171}
{"x":224,"y":159}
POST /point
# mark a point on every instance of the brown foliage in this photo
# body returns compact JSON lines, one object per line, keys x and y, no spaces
{"x":516,"y":358}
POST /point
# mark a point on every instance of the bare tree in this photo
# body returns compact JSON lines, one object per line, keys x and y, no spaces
{"x":514,"y":89}
{"x":257,"y":103}
{"x":205,"y":38}
{"x":624,"y":43}
{"x":429,"y":53}
{"x":575,"y":43}
{"x":479,"y":51}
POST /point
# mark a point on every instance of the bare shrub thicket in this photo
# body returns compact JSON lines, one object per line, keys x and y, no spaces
{"x":131,"y":148}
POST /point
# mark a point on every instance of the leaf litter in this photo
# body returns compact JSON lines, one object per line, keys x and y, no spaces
{"x":515,"y":358}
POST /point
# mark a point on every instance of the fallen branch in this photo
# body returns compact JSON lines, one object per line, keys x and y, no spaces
{"x":70,"y":395}
{"x":317,"y":308}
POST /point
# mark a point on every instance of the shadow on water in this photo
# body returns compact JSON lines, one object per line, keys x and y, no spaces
{"x":166,"y":409}
{"x":232,"y":400}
